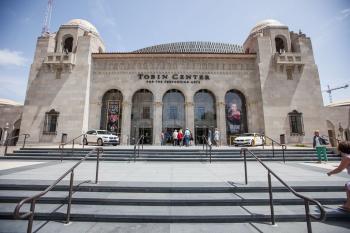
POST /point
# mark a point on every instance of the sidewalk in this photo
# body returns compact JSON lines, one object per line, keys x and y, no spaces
{"x":172,"y":172}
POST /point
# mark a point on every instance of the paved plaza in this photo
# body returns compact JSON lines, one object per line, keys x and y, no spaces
{"x":174,"y":174}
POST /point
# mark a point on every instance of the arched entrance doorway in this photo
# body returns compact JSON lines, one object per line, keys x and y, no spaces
{"x":173,"y":112}
{"x":331,"y":133}
{"x":204,"y":114}
{"x":111,"y":111}
{"x":236,"y":115}
{"x":142,"y":116}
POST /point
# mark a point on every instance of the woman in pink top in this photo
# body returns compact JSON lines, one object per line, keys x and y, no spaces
{"x":344,"y":149}
{"x":180,"y":137}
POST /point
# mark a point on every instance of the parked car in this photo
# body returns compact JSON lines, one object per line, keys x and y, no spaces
{"x":100,"y":137}
{"x":249,"y":139}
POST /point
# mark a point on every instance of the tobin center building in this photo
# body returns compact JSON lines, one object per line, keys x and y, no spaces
{"x":269,"y":85}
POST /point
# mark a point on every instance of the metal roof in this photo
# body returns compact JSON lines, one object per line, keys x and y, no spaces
{"x":192,"y":47}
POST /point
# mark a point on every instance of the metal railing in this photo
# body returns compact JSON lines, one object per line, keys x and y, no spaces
{"x":33,"y":199}
{"x":273,"y":142}
{"x":208,"y":147}
{"x":26,"y":135}
{"x":307,"y":200}
{"x":137,"y":147}
{"x":62,"y":144}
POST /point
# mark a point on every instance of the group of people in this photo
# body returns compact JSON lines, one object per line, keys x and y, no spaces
{"x":185,"y":138}
{"x":214,"y":138}
{"x":181,"y":138}
{"x":178,"y":138}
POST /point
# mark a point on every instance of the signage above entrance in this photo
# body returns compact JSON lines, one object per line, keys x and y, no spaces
{"x":174,"y":78}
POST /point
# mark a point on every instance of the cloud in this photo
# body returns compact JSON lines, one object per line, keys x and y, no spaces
{"x":12,"y":87}
{"x":8,"y":57}
{"x":102,"y":13}
{"x":343,"y":14}
{"x":325,"y":30}
{"x":105,"y":15}
{"x":340,"y":17}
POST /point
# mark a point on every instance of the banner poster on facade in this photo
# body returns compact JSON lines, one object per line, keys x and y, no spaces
{"x":234,"y":117}
{"x":113,"y":116}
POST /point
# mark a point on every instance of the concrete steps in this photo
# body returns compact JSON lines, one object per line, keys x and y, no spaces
{"x":171,"y":204}
{"x":173,"y":155}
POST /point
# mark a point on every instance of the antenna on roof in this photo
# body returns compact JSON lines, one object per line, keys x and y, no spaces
{"x":47,"y":19}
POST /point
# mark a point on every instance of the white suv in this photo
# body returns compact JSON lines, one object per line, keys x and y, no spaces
{"x":100,"y":137}
{"x":248,"y":139}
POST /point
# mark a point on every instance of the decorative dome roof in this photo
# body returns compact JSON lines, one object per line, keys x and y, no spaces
{"x":266,"y":23}
{"x":192,"y":47}
{"x":83,"y":24}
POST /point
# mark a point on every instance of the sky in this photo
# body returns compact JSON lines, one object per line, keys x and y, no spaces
{"x":134,"y":24}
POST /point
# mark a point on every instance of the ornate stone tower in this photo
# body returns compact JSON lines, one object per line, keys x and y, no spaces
{"x":290,"y":85}
{"x":59,"y":82}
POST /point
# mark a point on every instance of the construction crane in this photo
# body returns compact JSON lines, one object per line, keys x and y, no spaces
{"x":329,"y":91}
{"x":47,"y":19}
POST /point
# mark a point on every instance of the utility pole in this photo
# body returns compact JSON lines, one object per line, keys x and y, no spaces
{"x":47,"y":19}
{"x":329,"y":91}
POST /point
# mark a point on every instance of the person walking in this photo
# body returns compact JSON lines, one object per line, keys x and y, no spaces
{"x":187,"y":136}
{"x":162,"y":138}
{"x":217,"y":137}
{"x":319,"y":143}
{"x":180,"y":138}
{"x":175,"y":137}
{"x":344,"y":149}
{"x":210,"y":136}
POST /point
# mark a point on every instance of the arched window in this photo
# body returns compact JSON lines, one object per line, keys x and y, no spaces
{"x":51,"y":121}
{"x":173,"y":111}
{"x":68,"y":45}
{"x":204,"y":114}
{"x":280,"y":45}
{"x":142,"y":116}
{"x":236,"y":115}
{"x":296,"y":123}
{"x":111,"y":111}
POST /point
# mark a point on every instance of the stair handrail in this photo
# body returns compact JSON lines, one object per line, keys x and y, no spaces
{"x":32,"y":199}
{"x":306,"y":199}
{"x":208,"y":147}
{"x":26,"y":135}
{"x":283,"y":146}
{"x":137,"y":147}
{"x":62,"y":144}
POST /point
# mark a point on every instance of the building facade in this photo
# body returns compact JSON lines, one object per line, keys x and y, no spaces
{"x":269,"y":85}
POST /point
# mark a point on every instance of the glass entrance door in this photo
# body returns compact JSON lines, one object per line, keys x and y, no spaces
{"x":173,"y":111}
{"x":200,"y":132}
{"x":147,"y":133}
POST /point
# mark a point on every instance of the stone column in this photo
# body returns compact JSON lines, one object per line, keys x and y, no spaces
{"x":221,"y":121}
{"x":126,"y":122}
{"x":157,"y":121}
{"x":189,"y":116}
